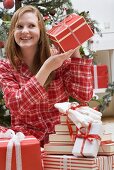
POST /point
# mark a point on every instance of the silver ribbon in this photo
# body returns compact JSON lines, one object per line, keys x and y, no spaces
{"x":95,"y":77}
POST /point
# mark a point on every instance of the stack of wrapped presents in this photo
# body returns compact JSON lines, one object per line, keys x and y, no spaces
{"x":79,"y":141}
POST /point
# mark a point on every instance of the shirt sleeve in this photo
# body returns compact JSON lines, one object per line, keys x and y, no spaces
{"x":78,"y":79}
{"x":17,"y":97}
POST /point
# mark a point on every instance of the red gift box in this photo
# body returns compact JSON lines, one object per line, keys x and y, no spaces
{"x":30,"y":154}
{"x":70,"y":33}
{"x":100,"y":76}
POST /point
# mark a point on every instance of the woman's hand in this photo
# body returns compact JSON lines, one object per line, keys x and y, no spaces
{"x":55,"y":61}
{"x":76,"y":53}
{"x":54,"y":50}
{"x":51,"y":64}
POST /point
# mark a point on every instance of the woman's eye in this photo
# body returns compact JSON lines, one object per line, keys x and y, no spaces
{"x":19,"y":26}
{"x":31,"y":26}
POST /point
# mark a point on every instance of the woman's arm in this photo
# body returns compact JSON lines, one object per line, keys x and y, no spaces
{"x":51,"y":64}
{"x":76,"y":53}
{"x":18,"y":97}
{"x":78,"y":79}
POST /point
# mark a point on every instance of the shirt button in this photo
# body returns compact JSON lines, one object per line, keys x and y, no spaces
{"x":40,"y":118}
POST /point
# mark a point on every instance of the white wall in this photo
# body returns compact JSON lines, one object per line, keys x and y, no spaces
{"x":100,"y":10}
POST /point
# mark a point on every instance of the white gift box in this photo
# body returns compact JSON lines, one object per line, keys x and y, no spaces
{"x":86,"y":147}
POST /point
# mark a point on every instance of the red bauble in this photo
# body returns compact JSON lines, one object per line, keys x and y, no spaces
{"x":52,"y":12}
{"x":46,"y":18}
{"x":8,"y":4}
{"x":1,"y":44}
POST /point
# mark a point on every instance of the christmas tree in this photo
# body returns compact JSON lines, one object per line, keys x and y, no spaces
{"x":54,"y":8}
{"x":4,"y":112}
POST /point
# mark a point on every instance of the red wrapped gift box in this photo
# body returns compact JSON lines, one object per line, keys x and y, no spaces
{"x":100,"y":76}
{"x":31,"y":154}
{"x":70,"y":33}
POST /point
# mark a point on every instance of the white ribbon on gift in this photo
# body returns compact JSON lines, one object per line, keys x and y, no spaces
{"x":65,"y":162}
{"x":95,"y":77}
{"x":15,"y":139}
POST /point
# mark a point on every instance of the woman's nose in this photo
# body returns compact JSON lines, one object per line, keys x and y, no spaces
{"x":25,"y":30}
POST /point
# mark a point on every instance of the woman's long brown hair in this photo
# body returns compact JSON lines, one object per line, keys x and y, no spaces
{"x":13,"y":51}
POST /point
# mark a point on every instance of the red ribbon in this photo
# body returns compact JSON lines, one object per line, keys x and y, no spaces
{"x":72,"y":135}
{"x":87,"y":136}
{"x":104,"y":143}
{"x":73,"y":106}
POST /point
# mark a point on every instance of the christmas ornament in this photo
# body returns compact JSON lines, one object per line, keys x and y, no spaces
{"x":8,"y":4}
{"x":52,"y":12}
{"x":1,"y":44}
{"x":45,"y":18}
{"x":91,"y":41}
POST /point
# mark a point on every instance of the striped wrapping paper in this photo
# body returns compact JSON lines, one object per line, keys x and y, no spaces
{"x":106,"y":149}
{"x":112,"y":161}
{"x":65,"y":162}
{"x":66,"y":138}
{"x":58,"y":148}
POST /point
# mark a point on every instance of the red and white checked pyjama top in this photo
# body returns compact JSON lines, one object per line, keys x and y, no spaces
{"x":31,"y":106}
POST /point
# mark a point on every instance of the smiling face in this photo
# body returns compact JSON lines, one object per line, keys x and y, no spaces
{"x":27,"y":31}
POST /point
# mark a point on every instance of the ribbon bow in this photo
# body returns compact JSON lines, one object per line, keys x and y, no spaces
{"x":84,"y":133}
{"x":73,"y":106}
{"x":15,"y":139}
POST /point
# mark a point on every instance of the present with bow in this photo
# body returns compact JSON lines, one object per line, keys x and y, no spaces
{"x":88,"y":140}
{"x":89,"y":128}
{"x":70,"y":32}
{"x":18,"y":152}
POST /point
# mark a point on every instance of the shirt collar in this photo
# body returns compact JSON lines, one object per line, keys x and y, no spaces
{"x":24,"y":69}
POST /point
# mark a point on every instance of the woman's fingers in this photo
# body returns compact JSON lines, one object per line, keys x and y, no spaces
{"x":67,"y":54}
{"x":54,"y":50}
{"x":55,"y":61}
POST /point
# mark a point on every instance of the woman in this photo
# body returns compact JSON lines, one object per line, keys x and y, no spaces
{"x":33,"y":80}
